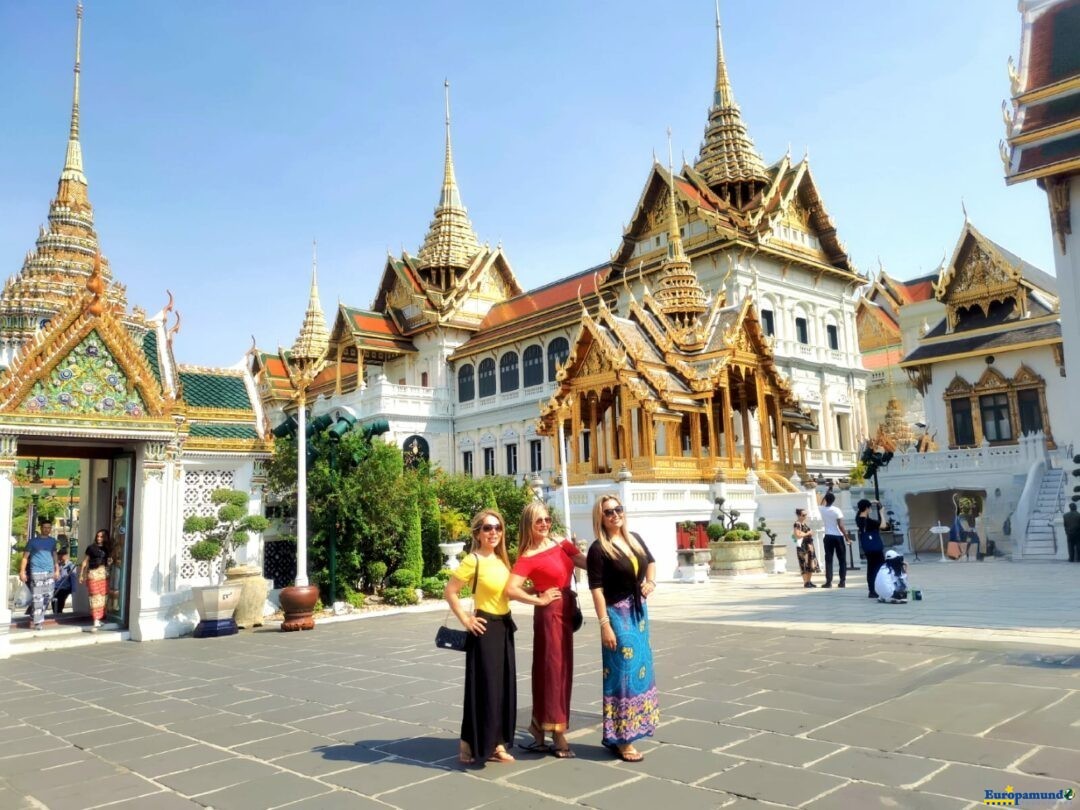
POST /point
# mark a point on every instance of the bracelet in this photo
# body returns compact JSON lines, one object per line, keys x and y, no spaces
{"x":651,"y":582}
{"x":604,"y":621}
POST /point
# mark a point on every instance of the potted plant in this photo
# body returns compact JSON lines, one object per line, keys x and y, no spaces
{"x":775,"y":554}
{"x":738,"y":552}
{"x":454,"y":525}
{"x":220,"y":534}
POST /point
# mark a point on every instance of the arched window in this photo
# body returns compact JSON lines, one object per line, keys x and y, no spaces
{"x":486,"y":377}
{"x":465,"y":389}
{"x":423,"y":379}
{"x":533,"y":361}
{"x":508,"y":372}
{"x":558,"y":351}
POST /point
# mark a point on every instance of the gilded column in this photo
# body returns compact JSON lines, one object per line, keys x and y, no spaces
{"x":748,"y":446}
{"x":594,"y":427}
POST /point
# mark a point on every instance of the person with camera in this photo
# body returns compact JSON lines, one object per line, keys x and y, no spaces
{"x":869,"y":526}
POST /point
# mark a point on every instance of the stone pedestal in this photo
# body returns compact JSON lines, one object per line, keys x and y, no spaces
{"x":733,"y":558}
{"x":249,"y":610}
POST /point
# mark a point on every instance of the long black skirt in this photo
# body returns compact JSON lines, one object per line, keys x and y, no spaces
{"x":490,"y":712}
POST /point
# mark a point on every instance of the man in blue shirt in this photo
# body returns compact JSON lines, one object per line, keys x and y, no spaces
{"x":40,"y":569}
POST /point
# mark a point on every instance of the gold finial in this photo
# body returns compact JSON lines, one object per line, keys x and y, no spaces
{"x":73,"y":165}
{"x":722,"y":94}
{"x":312,"y":342}
{"x":675,"y":246}
{"x":450,"y":240}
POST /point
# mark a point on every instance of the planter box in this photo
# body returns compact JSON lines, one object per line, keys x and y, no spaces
{"x":736,"y":558}
{"x":775,"y":558}
{"x":215,"y":604}
{"x":693,"y":565}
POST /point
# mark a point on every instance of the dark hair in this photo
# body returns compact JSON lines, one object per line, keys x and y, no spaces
{"x":829,"y":498}
{"x":863,"y":504}
{"x":799,"y":510}
{"x":1072,"y":507}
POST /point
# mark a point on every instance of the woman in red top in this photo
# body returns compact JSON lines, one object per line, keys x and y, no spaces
{"x":548,"y":562}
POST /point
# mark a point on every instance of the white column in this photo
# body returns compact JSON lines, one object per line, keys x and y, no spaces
{"x":301,"y":492}
{"x":1067,"y":269}
{"x":8,"y":461}
{"x":146,"y":576}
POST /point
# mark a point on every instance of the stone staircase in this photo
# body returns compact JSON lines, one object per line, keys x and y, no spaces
{"x":1039,"y":538}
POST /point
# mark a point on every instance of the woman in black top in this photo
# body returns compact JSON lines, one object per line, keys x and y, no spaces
{"x":870,"y":540}
{"x":622,"y":574}
{"x":94,"y":571}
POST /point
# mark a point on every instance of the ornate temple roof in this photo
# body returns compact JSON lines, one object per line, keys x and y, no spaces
{"x":451,"y":241}
{"x":679,"y":293}
{"x":62,"y":260}
{"x":311,"y":343}
{"x":727,"y":154}
{"x":1043,"y":127}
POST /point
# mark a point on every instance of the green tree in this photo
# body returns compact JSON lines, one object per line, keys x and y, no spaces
{"x":414,"y":542}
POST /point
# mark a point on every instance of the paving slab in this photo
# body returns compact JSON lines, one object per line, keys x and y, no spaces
{"x":338,"y":800}
{"x":967,"y":749}
{"x":283,"y":744}
{"x":328,"y":759}
{"x":648,"y":792}
{"x":263,"y":793}
{"x":569,"y":779}
{"x":971,"y":783}
{"x":782,"y":749}
{"x":700,"y":734}
{"x":766,"y":781}
{"x":225,"y":772}
{"x":452,"y":791}
{"x":181,"y":759}
{"x":864,"y":797}
{"x":878,"y":766}
{"x":863,"y":731}
{"x":1056,"y":763}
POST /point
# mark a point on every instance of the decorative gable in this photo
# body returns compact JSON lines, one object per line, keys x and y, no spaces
{"x":977,"y":277}
{"x":88,"y":381}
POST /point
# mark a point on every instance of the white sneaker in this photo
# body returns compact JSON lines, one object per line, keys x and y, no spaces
{"x":97,"y":623}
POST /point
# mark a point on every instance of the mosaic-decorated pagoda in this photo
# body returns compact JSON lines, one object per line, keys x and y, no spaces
{"x":88,"y":381}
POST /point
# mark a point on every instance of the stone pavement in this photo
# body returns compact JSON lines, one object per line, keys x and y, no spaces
{"x":774,"y":712}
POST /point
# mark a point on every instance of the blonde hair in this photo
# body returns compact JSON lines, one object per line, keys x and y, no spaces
{"x":478,"y":520}
{"x":526,"y":538}
{"x":601,"y":533}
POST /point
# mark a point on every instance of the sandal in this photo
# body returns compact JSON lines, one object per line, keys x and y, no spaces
{"x":629,"y":754}
{"x":500,"y":754}
{"x":538,"y":745}
{"x":562,"y":751}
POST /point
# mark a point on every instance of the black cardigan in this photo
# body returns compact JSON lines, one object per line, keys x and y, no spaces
{"x":615,"y":575}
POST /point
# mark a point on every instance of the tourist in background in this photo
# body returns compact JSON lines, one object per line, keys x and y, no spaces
{"x":834,"y":539}
{"x":869,"y":525}
{"x":490,"y":711}
{"x":549,"y":562}
{"x":94,"y":571}
{"x":622,"y":575}
{"x":1072,"y":532}
{"x":65,"y":583}
{"x":804,"y":548}
{"x":39,"y":569}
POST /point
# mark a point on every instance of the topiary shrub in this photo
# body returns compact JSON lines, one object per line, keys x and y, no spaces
{"x":355,"y":598}
{"x":376,"y":574}
{"x":404,"y":578}
{"x":742,"y":526}
{"x":715,"y":531}
{"x":400,"y":597}
{"x":432,"y":587}
{"x":740,"y":534}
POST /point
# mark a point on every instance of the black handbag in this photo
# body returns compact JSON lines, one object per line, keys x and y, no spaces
{"x":449,"y":638}
{"x":579,"y":617}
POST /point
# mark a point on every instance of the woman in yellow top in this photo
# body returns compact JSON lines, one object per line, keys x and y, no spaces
{"x":490,"y":713}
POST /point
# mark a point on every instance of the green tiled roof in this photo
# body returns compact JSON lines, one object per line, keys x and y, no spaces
{"x":150,"y":349}
{"x":224,"y":431}
{"x":203,"y":390}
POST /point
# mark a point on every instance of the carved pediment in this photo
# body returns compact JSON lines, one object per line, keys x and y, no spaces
{"x":1025,"y":376}
{"x":991,"y":379}
{"x":958,"y":387}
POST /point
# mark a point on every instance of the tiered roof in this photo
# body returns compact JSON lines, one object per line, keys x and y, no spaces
{"x":728,"y":161}
{"x":58,"y":268}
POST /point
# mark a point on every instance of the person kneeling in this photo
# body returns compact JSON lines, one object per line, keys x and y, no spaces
{"x":891,"y":584}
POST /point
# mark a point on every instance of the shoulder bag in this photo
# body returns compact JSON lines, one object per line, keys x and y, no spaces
{"x":579,"y":617}
{"x":450,"y":638}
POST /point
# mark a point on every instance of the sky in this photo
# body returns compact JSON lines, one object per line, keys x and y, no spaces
{"x":220,"y":139}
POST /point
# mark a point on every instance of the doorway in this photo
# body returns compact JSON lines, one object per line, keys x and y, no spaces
{"x":81,"y":490}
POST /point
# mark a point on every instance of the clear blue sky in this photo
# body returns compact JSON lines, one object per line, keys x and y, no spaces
{"x":220,"y":138}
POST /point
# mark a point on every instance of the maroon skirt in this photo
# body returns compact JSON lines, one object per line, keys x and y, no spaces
{"x":553,"y":663}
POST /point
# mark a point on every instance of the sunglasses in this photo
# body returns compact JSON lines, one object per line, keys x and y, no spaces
{"x":618,"y":510}
{"x":491,"y":527}
{"x":542,"y":520}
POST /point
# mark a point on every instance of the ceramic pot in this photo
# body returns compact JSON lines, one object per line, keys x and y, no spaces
{"x":249,"y":608}
{"x":298,"y":603}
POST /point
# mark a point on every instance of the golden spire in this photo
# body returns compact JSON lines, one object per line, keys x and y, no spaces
{"x":73,"y":165}
{"x":727,"y":157}
{"x":450,"y":240}
{"x":312,"y":342}
{"x":678,"y":291}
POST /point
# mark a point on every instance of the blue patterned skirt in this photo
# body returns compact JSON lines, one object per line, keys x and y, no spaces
{"x":631,"y":709}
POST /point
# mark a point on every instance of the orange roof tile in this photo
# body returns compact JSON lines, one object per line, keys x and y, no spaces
{"x":555,"y":294}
